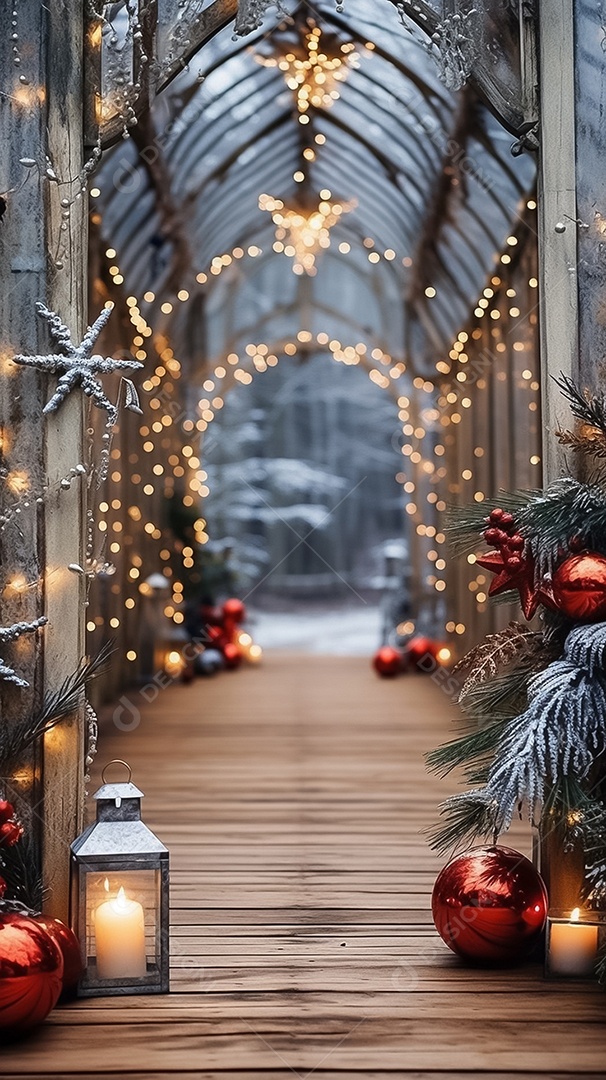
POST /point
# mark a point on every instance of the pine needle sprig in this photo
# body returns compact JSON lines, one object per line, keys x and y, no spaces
{"x":469,"y":816}
{"x":589,"y":441}
{"x":14,"y":740}
{"x":463,"y":751}
{"x":587,"y":407}
{"x":19,"y":866}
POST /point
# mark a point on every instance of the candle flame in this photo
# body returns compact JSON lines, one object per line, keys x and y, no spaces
{"x":574,"y":915}
{"x":106,"y":884}
{"x":121,"y":902}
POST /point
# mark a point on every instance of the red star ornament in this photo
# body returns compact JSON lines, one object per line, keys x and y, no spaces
{"x":516,"y":573}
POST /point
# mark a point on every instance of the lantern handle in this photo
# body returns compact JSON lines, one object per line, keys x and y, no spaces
{"x":116,"y":761}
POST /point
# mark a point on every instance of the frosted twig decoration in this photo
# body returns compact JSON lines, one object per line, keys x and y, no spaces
{"x":455,"y":38}
{"x":78,"y":366}
{"x":11,"y":633}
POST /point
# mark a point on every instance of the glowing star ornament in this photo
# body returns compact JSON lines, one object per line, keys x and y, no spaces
{"x":79,"y":367}
{"x":313,"y":70}
{"x":302,"y":232}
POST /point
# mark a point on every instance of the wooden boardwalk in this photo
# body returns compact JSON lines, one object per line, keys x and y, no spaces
{"x":292,"y":799}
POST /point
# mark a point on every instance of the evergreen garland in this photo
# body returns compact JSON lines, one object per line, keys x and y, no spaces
{"x":534,"y":702}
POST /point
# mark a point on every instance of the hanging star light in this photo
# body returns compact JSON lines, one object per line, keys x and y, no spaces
{"x":314,"y":71}
{"x":301,"y":232}
{"x":79,"y":367}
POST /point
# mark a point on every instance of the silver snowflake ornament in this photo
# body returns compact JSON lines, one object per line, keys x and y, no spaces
{"x":11,"y":633}
{"x":78,"y":366}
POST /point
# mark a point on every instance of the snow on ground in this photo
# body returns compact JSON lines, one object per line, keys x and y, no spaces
{"x":346,"y":631}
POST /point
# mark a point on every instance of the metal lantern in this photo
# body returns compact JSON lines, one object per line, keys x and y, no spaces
{"x":120,"y":897}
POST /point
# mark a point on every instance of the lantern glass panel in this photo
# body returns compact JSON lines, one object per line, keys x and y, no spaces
{"x":126,"y":933}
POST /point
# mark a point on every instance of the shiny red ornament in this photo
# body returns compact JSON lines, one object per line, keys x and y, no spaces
{"x":387,"y":662}
{"x":7,"y":811}
{"x":235,"y":610}
{"x":31,"y":972}
{"x":10,"y":833}
{"x":579,"y":587}
{"x":421,"y":653}
{"x":232,"y":656}
{"x":69,"y":947}
{"x":215,"y":635}
{"x":489,"y":904}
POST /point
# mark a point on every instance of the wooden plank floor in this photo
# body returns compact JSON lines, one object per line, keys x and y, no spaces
{"x":292,"y":799}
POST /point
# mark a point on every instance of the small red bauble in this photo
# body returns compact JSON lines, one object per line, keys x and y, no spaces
{"x":579,"y":586}
{"x":387,"y":662}
{"x":232,"y":656}
{"x":489,"y":904}
{"x":215,"y":635}
{"x":10,"y":833}
{"x":235,"y":610}
{"x":7,"y":811}
{"x":31,"y":972}
{"x":421,"y":653}
{"x":69,"y":947}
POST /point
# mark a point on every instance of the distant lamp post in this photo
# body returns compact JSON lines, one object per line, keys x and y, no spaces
{"x":120,"y":899}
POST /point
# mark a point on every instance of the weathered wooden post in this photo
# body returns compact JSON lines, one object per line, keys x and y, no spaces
{"x":43,"y":242}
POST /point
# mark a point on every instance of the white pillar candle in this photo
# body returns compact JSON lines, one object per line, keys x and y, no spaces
{"x":120,"y":938}
{"x":572,"y":947}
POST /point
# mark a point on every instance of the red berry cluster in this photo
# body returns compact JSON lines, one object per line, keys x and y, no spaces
{"x":11,"y":830}
{"x":500,"y":533}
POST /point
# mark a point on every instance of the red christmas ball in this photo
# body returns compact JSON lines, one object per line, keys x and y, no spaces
{"x":31,"y":972}
{"x":387,"y":661}
{"x":211,"y":615}
{"x":69,"y":947}
{"x":235,"y":610}
{"x":10,"y":833}
{"x":579,"y":586}
{"x":232,"y":656}
{"x":421,"y":653}
{"x":489,"y":904}
{"x":215,"y":635}
{"x":7,"y":811}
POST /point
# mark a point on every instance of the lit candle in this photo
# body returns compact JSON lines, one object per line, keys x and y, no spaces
{"x":572,"y":946}
{"x":120,"y":938}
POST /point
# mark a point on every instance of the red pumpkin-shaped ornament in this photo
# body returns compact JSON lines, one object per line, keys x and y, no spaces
{"x":31,"y":972}
{"x":489,"y":904}
{"x":387,"y":662}
{"x":69,"y":947}
{"x":579,"y":587}
{"x":234,"y":610}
